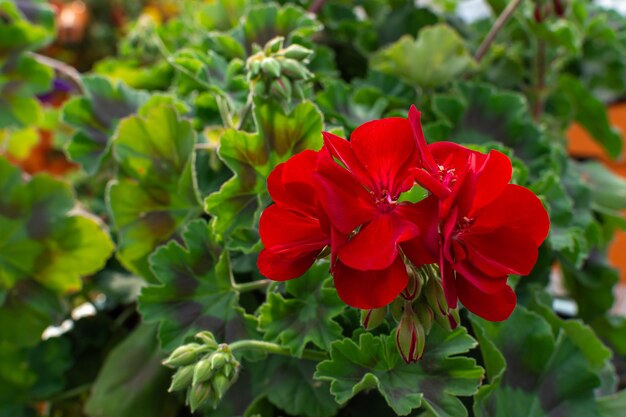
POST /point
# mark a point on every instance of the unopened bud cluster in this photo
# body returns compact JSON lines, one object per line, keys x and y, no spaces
{"x":420,"y":305}
{"x":206,"y":369}
{"x":279,"y":72}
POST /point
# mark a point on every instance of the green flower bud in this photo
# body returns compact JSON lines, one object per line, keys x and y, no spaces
{"x":270,"y":67}
{"x":228,"y":370}
{"x":274,"y":45}
{"x":435,"y":297}
{"x":182,"y":378}
{"x":198,"y":394}
{"x":184,"y":355}
{"x":397,"y":308}
{"x":297,"y":52}
{"x":294,"y":69}
{"x":254,"y":67}
{"x":370,"y":319}
{"x":281,"y":88}
{"x":219,"y":359}
{"x":425,"y":315}
{"x":414,"y":286}
{"x":203,"y":370}
{"x":449,"y":321}
{"x":207,"y":339}
{"x":220,"y":385}
{"x":410,"y":337}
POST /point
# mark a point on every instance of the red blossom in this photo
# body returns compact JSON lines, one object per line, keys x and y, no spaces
{"x":475,"y":225}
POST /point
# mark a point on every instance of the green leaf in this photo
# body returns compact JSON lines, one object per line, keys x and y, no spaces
{"x":220,"y":15}
{"x":25,"y":25}
{"x":288,"y":384}
{"x":351,"y":107}
{"x":198,"y":70}
{"x":21,"y":78}
{"x":195,"y":291}
{"x":155,"y":76}
{"x":477,"y":113}
{"x":437,"y":57}
{"x":433,"y":383}
{"x":305,"y":317}
{"x":156,"y":192}
{"x":591,"y":114}
{"x":252,"y":156}
{"x":95,"y":117}
{"x":612,"y":405}
{"x":132,"y":382}
{"x":608,"y":190}
{"x":27,"y":310}
{"x":42,"y":239}
{"x":266,"y":21}
{"x":40,"y":372}
{"x":535,"y":370}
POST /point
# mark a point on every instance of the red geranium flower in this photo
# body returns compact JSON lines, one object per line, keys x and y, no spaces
{"x":493,"y":229}
{"x":360,"y":194}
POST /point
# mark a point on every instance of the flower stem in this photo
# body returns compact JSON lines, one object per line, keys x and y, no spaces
{"x":62,"y":68}
{"x":252,"y":286}
{"x":313,"y":355}
{"x":496,"y":28}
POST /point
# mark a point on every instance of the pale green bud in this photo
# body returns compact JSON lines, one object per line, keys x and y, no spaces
{"x":184,"y":355}
{"x":294,"y":70}
{"x":198,"y":394}
{"x":182,"y":378}
{"x":271,"y":67}
{"x":274,"y":45}
{"x":207,"y":339}
{"x":203,"y":370}
{"x":297,"y":52}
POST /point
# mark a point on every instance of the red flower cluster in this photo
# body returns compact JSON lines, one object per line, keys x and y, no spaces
{"x":348,"y":197}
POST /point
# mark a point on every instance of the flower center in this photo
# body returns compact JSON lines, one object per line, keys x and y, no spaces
{"x":447,"y":176}
{"x":462,"y":225}
{"x":384,"y":201}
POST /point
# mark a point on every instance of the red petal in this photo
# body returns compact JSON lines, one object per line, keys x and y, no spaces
{"x":289,"y":184}
{"x":501,"y":251}
{"x":427,"y":160}
{"x":479,"y":279}
{"x":518,"y":208}
{"x":424,"y":249}
{"x":448,"y":282}
{"x":387,"y":149}
{"x":431,"y":183}
{"x":490,"y":181}
{"x":342,"y":150}
{"x":344,"y":199}
{"x":375,"y":246}
{"x":370,"y":289}
{"x":286,"y":231}
{"x":280,"y":267}
{"x":493,"y":307}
